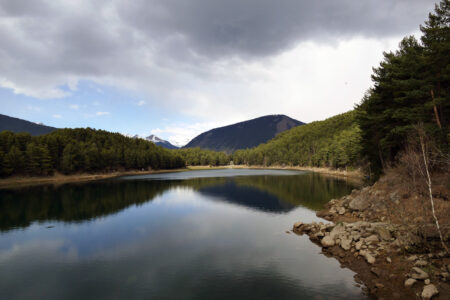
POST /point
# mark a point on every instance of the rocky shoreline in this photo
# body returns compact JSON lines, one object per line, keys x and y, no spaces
{"x":389,"y":259}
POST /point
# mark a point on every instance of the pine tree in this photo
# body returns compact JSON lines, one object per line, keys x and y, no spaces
{"x":436,"y":40}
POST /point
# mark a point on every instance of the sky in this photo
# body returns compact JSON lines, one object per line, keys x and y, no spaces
{"x":176,"y":68}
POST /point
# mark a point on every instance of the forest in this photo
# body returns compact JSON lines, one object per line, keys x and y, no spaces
{"x":410,"y":89}
{"x":87,"y":150}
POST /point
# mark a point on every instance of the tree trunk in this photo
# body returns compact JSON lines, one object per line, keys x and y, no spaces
{"x":436,"y":115}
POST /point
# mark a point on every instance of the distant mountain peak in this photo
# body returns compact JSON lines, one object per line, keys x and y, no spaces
{"x":160,"y":142}
{"x":242,"y":135}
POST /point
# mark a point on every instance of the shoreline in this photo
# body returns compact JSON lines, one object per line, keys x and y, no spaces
{"x":18,"y":182}
{"x":391,"y":259}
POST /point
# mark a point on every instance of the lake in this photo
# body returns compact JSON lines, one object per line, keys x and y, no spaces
{"x":214,"y":234}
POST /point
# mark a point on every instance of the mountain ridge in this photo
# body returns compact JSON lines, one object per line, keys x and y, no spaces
{"x":19,"y":125}
{"x":245,"y":134}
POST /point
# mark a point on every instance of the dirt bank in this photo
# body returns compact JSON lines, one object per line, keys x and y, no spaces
{"x":17,"y":182}
{"x":385,"y":234}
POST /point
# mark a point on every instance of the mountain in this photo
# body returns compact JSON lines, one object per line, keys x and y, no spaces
{"x":19,"y":125}
{"x":334,"y":142}
{"x":245,"y":134}
{"x":160,"y":142}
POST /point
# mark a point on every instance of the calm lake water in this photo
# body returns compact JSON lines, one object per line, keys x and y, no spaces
{"x":216,"y":234}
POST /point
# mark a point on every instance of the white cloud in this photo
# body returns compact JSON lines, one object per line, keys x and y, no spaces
{"x":102,"y":113}
{"x":74,"y":106}
{"x":180,"y":134}
{"x":57,"y":116}
{"x":299,"y":59}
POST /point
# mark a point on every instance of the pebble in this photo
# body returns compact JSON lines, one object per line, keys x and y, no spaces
{"x":388,"y":259}
{"x":427,"y":281}
{"x":421,"y":263}
{"x":410,"y":282}
{"x":298,"y":224}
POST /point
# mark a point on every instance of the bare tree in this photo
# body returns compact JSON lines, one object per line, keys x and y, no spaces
{"x":425,"y":172}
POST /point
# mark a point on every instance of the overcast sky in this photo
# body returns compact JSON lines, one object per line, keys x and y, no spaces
{"x":176,"y":68}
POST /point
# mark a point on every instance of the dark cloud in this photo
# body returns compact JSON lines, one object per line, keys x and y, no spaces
{"x":264,"y":27}
{"x":45,"y":42}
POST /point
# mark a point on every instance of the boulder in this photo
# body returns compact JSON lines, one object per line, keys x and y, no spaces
{"x":429,"y":291}
{"x":346,"y":243}
{"x":327,"y":241}
{"x":410,"y":282}
{"x":359,"y":203}
{"x":337,"y":231}
{"x":418,"y":273}
{"x":341,"y":211}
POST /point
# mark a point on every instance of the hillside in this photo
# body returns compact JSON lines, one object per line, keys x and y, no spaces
{"x":243,"y":135}
{"x":19,"y":125}
{"x":334,"y":142}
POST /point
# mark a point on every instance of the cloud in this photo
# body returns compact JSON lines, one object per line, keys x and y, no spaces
{"x":74,"y":106}
{"x":57,"y":116}
{"x":180,"y":134}
{"x":102,"y":113}
{"x":221,"y":61}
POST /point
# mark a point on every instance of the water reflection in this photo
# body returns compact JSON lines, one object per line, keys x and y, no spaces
{"x":81,"y":202}
{"x":199,"y":238}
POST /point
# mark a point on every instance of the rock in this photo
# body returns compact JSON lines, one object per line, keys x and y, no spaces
{"x":429,"y":291}
{"x":359,"y":203}
{"x":379,"y":285}
{"x":410,"y":282}
{"x":384,"y":234}
{"x":341,"y":211}
{"x":427,"y":281}
{"x":418,"y":273}
{"x":327,"y":241}
{"x":298,"y":225}
{"x":337,"y":231}
{"x":448,"y":268}
{"x":346,"y":244}
{"x":319,"y":234}
{"x":358,"y":245}
{"x":421,"y":263}
{"x":388,"y":259}
{"x":372,"y":239}
{"x":412,"y":258}
{"x":369,"y":258}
